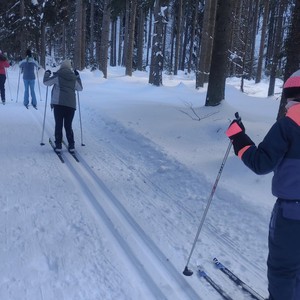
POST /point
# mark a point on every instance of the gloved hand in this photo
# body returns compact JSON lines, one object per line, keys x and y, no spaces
{"x":48,"y":72}
{"x":235,"y":127}
{"x":236,"y":132}
{"x":76,"y":72}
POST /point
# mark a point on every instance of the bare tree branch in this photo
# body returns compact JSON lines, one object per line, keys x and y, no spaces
{"x":193,"y":114}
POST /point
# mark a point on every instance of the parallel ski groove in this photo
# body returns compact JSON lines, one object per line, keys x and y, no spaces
{"x":120,"y":222}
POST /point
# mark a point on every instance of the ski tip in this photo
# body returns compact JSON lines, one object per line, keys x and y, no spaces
{"x":215,"y":260}
{"x":42,"y":144}
{"x":187,"y":271}
{"x":82,"y":145}
{"x":218,"y":264}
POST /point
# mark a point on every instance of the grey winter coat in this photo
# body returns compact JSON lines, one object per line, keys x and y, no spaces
{"x":65,"y":84}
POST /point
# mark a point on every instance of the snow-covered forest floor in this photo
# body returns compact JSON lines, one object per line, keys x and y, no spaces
{"x":120,"y":224}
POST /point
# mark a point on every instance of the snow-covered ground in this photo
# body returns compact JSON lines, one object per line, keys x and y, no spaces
{"x":121,"y":223}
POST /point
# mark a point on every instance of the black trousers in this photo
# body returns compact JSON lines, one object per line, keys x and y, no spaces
{"x":63,"y":116}
{"x":2,"y":86}
{"x":284,"y":251}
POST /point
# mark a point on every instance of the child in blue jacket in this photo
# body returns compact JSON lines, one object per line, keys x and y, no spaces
{"x":279,"y":152}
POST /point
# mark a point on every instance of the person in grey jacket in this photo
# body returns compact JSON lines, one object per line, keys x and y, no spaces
{"x":63,"y":100}
{"x":27,"y":66}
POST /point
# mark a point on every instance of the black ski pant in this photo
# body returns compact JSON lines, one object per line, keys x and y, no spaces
{"x":284,"y":251}
{"x":63,"y":116}
{"x":2,"y":86}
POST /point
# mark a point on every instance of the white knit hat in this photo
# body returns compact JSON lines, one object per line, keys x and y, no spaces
{"x":66,"y":64}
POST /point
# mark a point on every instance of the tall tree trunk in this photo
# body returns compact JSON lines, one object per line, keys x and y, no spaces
{"x":271,"y":32}
{"x":64,"y":40}
{"x":277,"y":47}
{"x":193,"y":34}
{"x":43,"y":45}
{"x":113,"y":44}
{"x":83,"y":37}
{"x":125,"y":40}
{"x":157,"y":57}
{"x":78,"y":35}
{"x":246,"y":45}
{"x":121,"y":40}
{"x":23,"y":35}
{"x":253,"y":38}
{"x":209,"y":20}
{"x":149,"y":35}
{"x":262,"y":42}
{"x":172,"y":39}
{"x":183,"y":47}
{"x":104,"y":44}
{"x":131,"y":30}
{"x":292,"y":47}
{"x":178,"y":36}
{"x":92,"y":33}
{"x":140,"y":39}
{"x":219,"y":63}
{"x":236,"y":41}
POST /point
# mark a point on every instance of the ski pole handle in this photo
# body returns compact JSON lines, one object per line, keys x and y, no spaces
{"x":237,"y":117}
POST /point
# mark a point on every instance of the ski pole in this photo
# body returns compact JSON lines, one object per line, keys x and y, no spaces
{"x":82,"y":144}
{"x":18,"y":85}
{"x":187,"y":271}
{"x":8,"y":84}
{"x":42,"y":140}
{"x":37,"y":75}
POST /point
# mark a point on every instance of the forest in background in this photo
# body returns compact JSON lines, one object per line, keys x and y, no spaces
{"x":215,"y":39}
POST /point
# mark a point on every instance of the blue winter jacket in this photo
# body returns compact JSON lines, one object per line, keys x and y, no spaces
{"x":279,"y":152}
{"x":27,"y":65}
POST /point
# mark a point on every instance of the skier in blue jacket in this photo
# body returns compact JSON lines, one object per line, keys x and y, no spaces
{"x":279,"y":152}
{"x":28,"y":66}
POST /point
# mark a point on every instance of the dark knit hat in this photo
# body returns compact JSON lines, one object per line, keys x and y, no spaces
{"x":28,"y":53}
{"x":291,"y":87}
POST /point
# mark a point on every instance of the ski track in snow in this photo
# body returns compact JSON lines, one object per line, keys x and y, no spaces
{"x":155,"y":270}
{"x":101,"y":215}
{"x":181,"y":198}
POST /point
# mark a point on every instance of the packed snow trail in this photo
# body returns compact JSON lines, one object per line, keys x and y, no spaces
{"x":133,"y":148}
{"x":117,"y":225}
{"x":152,"y":266}
{"x":50,"y":246}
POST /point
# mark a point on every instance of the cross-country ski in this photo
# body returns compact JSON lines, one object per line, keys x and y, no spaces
{"x":237,"y":280}
{"x":72,"y":152}
{"x":202,"y":274}
{"x":58,"y":153}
